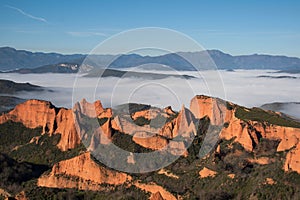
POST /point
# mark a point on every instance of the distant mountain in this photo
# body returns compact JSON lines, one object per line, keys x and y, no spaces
{"x":10,"y":87}
{"x":290,"y":71}
{"x":124,"y":74}
{"x":54,"y":68}
{"x":8,"y":102}
{"x":172,"y":60}
{"x":210,"y":59}
{"x":12,"y":59}
{"x":290,"y":108}
{"x":277,"y":77}
{"x":93,"y":72}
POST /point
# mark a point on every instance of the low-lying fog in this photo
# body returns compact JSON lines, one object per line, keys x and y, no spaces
{"x":243,"y":87}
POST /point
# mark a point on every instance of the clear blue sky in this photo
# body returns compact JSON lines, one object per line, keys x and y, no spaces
{"x":73,"y":26}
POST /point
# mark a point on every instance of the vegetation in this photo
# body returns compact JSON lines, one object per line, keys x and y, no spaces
{"x":141,"y":121}
{"x":257,"y":114}
{"x":249,"y":180}
{"x":14,"y":174}
{"x":122,"y":192}
{"x":126,"y":143}
{"x":23,"y":159}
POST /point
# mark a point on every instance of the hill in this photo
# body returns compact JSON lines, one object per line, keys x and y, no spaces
{"x":10,"y":87}
{"x":235,"y":152}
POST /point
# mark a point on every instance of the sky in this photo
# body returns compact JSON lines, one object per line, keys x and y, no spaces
{"x":235,"y":27}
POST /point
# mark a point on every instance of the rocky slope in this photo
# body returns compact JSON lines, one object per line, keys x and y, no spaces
{"x":240,"y":143}
{"x":90,"y":173}
{"x":36,"y":113}
{"x":248,"y":132}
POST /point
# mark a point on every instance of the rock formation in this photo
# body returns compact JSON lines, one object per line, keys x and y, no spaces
{"x":38,"y":113}
{"x":84,"y":168}
{"x":183,"y":124}
{"x":154,"y":188}
{"x":214,"y":108}
{"x":205,"y":172}
{"x":248,"y":133}
{"x":292,"y":162}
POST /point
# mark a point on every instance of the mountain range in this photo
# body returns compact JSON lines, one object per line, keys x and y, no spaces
{"x":235,"y":152}
{"x":12,"y":59}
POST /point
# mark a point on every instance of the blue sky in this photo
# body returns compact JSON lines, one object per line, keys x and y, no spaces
{"x":235,"y":27}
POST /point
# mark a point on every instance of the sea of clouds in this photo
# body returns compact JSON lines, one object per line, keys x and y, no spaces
{"x":243,"y":87}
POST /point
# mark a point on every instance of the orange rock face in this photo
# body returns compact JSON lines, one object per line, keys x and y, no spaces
{"x":148,"y":114}
{"x":237,"y":129}
{"x":205,"y":172}
{"x":66,"y":127}
{"x":155,"y":142}
{"x":89,"y":109}
{"x":182,"y":125}
{"x":292,"y":162}
{"x":86,"y":169}
{"x":33,"y":114}
{"x":248,"y":133}
{"x":37,"y":113}
{"x":156,"y":196}
{"x":153,"y":188}
{"x":213,"y":108}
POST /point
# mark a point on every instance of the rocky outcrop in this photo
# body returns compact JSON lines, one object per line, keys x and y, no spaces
{"x":153,"y":112}
{"x":37,"y":113}
{"x":89,"y":109}
{"x":292,"y":162}
{"x":147,"y":114}
{"x":154,"y":142}
{"x":154,"y":188}
{"x":183,"y":124}
{"x":262,"y":160}
{"x":214,"y":108}
{"x":205,"y":172}
{"x":33,"y":114}
{"x":238,"y":129}
{"x":156,"y":196}
{"x":269,"y":181}
{"x":21,"y":196}
{"x":63,"y":181}
{"x":66,"y":127}
{"x":84,"y":168}
{"x":169,"y":110}
{"x":127,"y":126}
{"x":4,"y":193}
{"x":248,"y":133}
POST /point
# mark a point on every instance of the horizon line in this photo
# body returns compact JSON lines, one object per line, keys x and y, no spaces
{"x":144,"y":55}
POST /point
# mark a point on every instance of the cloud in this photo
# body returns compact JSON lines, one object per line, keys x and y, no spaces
{"x":27,"y":14}
{"x":241,"y":87}
{"x":85,"y":33}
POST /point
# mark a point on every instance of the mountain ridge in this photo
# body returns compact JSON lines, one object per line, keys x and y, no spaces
{"x":255,"y":150}
{"x":12,"y":59}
